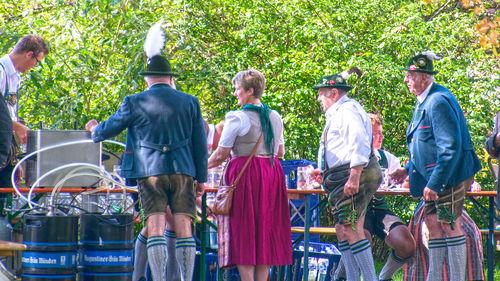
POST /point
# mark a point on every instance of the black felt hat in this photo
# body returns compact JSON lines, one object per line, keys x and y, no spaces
{"x":158,"y":66}
{"x":333,"y":81}
{"x":420,"y":63}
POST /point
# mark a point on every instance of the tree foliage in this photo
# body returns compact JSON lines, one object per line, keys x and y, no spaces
{"x":96,"y":56}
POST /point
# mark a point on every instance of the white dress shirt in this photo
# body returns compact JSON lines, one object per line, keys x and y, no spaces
{"x":392,"y":161}
{"x":424,"y":94}
{"x":10,"y":77}
{"x":348,"y":135}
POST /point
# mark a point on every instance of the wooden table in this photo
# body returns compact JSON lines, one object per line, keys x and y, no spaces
{"x":8,"y":248}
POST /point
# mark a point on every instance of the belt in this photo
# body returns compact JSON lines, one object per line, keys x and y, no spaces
{"x":164,"y":147}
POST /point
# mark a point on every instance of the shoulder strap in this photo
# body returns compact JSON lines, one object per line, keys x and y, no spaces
{"x":383,"y":159}
{"x":6,"y":93}
{"x":248,"y":160}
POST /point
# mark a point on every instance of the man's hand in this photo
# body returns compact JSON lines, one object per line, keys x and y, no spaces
{"x":21,"y":131}
{"x":91,"y":125}
{"x":351,"y":187}
{"x":399,"y":176}
{"x":200,"y":189}
{"x":429,"y":194}
{"x":19,"y":175}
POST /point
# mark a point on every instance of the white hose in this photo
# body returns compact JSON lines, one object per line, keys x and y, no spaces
{"x":103,"y":174}
{"x":88,"y":165}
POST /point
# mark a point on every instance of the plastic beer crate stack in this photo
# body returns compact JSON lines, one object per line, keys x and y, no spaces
{"x":290,"y":170}
{"x":211,"y":268}
{"x":323,"y":261}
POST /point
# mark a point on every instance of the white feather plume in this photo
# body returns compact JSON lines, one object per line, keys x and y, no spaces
{"x":430,"y":55}
{"x":345,"y":74}
{"x":155,"y":40}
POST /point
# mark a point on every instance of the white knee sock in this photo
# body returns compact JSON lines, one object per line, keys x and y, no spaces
{"x":185,"y":249}
{"x":140,"y":258}
{"x":157,"y":256}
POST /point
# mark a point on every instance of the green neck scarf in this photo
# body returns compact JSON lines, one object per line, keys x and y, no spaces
{"x":265,"y":121}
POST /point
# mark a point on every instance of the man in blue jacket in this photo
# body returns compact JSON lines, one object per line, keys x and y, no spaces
{"x":441,"y":167}
{"x":493,"y":147}
{"x":166,"y":152}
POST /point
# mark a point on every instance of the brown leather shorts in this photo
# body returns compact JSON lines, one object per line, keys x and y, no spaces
{"x":176,"y":191}
{"x":450,"y":202}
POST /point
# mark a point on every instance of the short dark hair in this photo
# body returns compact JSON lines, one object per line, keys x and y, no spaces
{"x":251,"y":78}
{"x":31,"y":43}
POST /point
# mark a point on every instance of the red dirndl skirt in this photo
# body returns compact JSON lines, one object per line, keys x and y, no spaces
{"x":257,"y":230}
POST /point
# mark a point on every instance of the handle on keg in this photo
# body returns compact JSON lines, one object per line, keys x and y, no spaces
{"x":32,"y":222}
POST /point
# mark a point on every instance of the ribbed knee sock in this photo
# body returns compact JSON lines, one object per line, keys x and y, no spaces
{"x":362,"y":252}
{"x":457,"y":257}
{"x":140,"y":257}
{"x":393,"y":264}
{"x":351,"y":266}
{"x":340,"y":271}
{"x":185,"y":249}
{"x":157,"y":256}
{"x":437,"y":254}
{"x":173,"y":270}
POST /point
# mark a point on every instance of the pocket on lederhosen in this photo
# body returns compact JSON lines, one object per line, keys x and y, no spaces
{"x":334,"y":180}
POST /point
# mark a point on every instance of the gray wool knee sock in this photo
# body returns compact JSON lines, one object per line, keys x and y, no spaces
{"x":157,"y":256}
{"x":393,"y":264}
{"x":351,"y":266}
{"x":437,"y":254}
{"x":340,"y":271}
{"x":185,"y":250}
{"x":362,"y":252}
{"x":457,"y":257}
{"x":140,"y":257}
{"x":173,"y":270}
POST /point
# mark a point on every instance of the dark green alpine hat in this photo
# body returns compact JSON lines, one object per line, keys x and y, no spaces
{"x":420,"y":63}
{"x":158,"y":66}
{"x":333,"y":81}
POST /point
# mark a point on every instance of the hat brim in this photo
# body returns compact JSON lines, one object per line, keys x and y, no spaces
{"x":419,"y":70}
{"x":158,"y":73}
{"x":344,"y":88}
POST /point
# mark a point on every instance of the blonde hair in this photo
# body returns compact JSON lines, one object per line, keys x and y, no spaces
{"x":375,"y":119}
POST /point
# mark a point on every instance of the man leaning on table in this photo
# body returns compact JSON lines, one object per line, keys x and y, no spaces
{"x":441,"y":167}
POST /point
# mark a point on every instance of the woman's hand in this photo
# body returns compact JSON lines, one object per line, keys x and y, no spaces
{"x":315,"y":175}
{"x":219,"y":155}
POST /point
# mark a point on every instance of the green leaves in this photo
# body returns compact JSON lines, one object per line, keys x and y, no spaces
{"x":96,"y":56}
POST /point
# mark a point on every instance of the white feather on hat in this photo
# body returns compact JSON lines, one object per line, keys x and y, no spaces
{"x":347,"y":73}
{"x":430,"y":55}
{"x":155,"y":40}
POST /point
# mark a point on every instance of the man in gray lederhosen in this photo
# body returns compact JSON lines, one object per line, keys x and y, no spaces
{"x":351,"y":173}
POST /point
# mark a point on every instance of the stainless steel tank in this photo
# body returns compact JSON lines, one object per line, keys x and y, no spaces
{"x":42,"y":162}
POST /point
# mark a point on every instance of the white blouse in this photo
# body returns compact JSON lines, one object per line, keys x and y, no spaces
{"x":237,"y":124}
